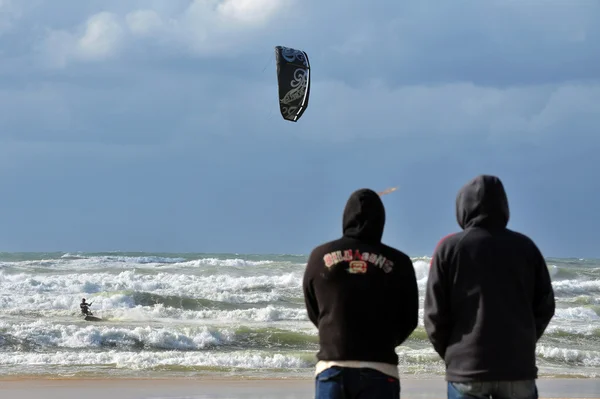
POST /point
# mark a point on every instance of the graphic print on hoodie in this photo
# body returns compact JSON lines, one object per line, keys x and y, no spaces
{"x":489,"y":296}
{"x":361,"y":294}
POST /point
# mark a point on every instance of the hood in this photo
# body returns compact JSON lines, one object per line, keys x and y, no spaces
{"x":482,"y":202}
{"x":364,"y":216}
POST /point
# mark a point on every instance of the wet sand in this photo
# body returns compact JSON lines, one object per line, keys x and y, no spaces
{"x":26,"y":388}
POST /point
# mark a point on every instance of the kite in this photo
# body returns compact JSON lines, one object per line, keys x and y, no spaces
{"x":387,"y":191}
{"x":293,"y":79}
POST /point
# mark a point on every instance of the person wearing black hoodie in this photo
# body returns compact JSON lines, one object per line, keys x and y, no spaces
{"x":488,"y":299}
{"x":363,"y":298}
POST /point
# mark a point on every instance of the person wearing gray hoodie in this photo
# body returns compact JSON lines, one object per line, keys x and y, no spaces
{"x":488,"y":299}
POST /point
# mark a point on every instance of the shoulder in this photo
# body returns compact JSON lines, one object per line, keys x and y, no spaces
{"x":395,"y":254}
{"x":400,"y":260}
{"x":448,"y":241}
{"x":319,"y":252}
{"x":524,"y":241}
{"x":520,"y":236}
{"x":446,"y":248}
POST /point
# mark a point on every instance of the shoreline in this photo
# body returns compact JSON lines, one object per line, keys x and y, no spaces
{"x":213,"y":387}
{"x":229,"y":378}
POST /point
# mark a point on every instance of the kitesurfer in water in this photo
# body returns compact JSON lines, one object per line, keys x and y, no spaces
{"x":85,"y":307}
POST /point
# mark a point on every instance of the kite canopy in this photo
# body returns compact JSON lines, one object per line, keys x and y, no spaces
{"x":293,"y":79}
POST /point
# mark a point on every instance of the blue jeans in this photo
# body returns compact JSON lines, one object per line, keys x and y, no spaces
{"x":525,"y":389}
{"x":355,"y":383}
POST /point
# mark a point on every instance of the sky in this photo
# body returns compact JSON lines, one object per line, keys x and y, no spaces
{"x":147,"y":125}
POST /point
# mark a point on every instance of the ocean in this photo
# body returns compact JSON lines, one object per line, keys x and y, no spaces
{"x":224,"y":315}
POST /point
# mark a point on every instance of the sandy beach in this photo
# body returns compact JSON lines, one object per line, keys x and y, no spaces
{"x":29,"y":388}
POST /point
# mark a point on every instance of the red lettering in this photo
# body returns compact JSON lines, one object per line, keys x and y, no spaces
{"x":348,"y":255}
